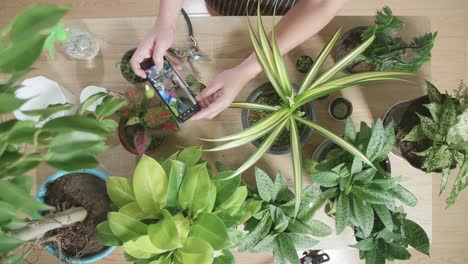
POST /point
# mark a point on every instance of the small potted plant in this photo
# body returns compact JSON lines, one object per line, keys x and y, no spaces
{"x":432,"y":134}
{"x":304,"y":63}
{"x":145,"y":121}
{"x":357,"y":192}
{"x":174,"y":212}
{"x":389,"y":51}
{"x":272,"y":225}
{"x":126,"y":68}
{"x":391,"y":243}
{"x":288,"y":114}
{"x":194,"y":85}
{"x":340,"y":108}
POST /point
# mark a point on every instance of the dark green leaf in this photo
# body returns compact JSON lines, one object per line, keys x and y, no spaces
{"x":8,"y":243}
{"x":258,"y":233}
{"x":287,"y":248}
{"x":384,"y":215}
{"x":376,"y":141}
{"x":372,"y":196}
{"x":365,"y":175}
{"x":225,"y":189}
{"x":350,"y":131}
{"x":402,"y":194}
{"x":397,"y":251}
{"x":226,"y":258}
{"x":280,"y":189}
{"x":9,"y":103}
{"x":374,"y":257}
{"x":22,"y":200}
{"x":211,"y":229}
{"x":416,"y":237}
{"x":81,"y":161}
{"x":302,"y":242}
{"x":364,"y":215}
{"x":78,"y":123}
{"x":21,"y":55}
{"x":342,"y":213}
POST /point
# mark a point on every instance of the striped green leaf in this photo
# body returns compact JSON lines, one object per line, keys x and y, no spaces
{"x":336,"y":139}
{"x":253,"y":106}
{"x":266,"y":124}
{"x":281,"y":68}
{"x":319,"y":62}
{"x":296,"y":157}
{"x":266,"y":144}
{"x":343,"y":63}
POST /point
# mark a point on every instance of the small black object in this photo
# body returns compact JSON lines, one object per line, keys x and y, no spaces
{"x":315,"y":257}
{"x":304,"y":64}
{"x":340,"y":108}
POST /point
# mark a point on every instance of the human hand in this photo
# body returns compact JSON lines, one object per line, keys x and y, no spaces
{"x":220,"y":93}
{"x":154,"y":45}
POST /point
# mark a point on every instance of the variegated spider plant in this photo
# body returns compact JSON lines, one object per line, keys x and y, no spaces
{"x":286,"y":115}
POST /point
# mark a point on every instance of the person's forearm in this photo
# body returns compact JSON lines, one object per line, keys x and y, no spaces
{"x":304,"y":20}
{"x":169,"y":10}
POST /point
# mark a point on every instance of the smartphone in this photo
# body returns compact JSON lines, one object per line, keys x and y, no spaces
{"x":171,"y":89}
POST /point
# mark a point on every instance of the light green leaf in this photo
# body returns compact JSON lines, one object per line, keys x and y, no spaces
{"x":190,"y":156}
{"x":416,"y":237}
{"x":125,"y":227}
{"x":232,"y":205}
{"x":183,"y":226}
{"x":19,"y":56}
{"x":105,"y":235}
{"x":9,"y":103}
{"x":265,"y":185}
{"x":302,"y":242}
{"x":342,"y":213}
{"x":8,"y":243}
{"x":251,"y":208}
{"x":131,"y":248}
{"x":226,"y":258}
{"x":134,"y":211}
{"x":109,"y":107}
{"x":194,"y":188}
{"x":402,"y":194}
{"x":280,"y":220}
{"x":364,"y":215}
{"x":266,"y":244}
{"x":225,"y":189}
{"x":164,"y":234}
{"x":176,"y":174}
{"x":91,"y":100}
{"x":150,"y":185}
{"x":76,"y":123}
{"x":120,"y":190}
{"x":211,"y":229}
{"x":194,"y":250}
{"x":384,"y":215}
{"x":22,"y":200}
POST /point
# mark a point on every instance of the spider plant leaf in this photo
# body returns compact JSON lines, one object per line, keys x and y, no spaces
{"x":296,"y":157}
{"x":319,"y":62}
{"x":282,"y":73}
{"x":346,"y":81}
{"x":336,"y":139}
{"x":264,"y":42}
{"x":344,"y":62}
{"x":238,"y":142}
{"x":253,"y":106}
{"x":266,"y":144}
{"x":267,"y":67}
{"x":267,"y":123}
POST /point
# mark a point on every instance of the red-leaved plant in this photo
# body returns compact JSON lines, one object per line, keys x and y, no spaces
{"x":145,"y":110}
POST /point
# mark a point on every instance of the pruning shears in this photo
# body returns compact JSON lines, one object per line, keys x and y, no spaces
{"x":192,"y":52}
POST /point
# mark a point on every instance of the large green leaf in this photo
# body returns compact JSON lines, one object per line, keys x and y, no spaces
{"x":194,"y":188}
{"x":105,"y":235}
{"x":164,"y":234}
{"x":19,"y":56}
{"x":372,"y":196}
{"x":109,"y":107}
{"x":280,"y":191}
{"x":76,"y":123}
{"x":374,"y":257}
{"x":125,"y":227}
{"x":9,"y":103}
{"x":397,"y":251}
{"x":402,"y":194}
{"x":225,"y":189}
{"x":260,"y":231}
{"x":194,"y":250}
{"x":342,"y":213}
{"x":265,"y":185}
{"x":232,"y":205}
{"x":74,"y":141}
{"x":176,"y":174}
{"x":190,"y":156}
{"x":364,"y":215}
{"x":325,"y":178}
{"x":73,"y":162}
{"x":287,"y":248}
{"x":319,"y":62}
{"x":48,"y":111}
{"x":134,"y":211}
{"x":296,"y":157}
{"x":384,"y":215}
{"x":8,"y":243}
{"x":265,"y":244}
{"x":135,"y":250}
{"x":183,"y":226}
{"x":302,"y":242}
{"x":91,"y":100}
{"x":251,"y":208}
{"x":311,"y":227}
{"x":336,"y":139}
{"x":226,"y":258}
{"x":150,"y":185}
{"x":416,"y":237}
{"x":22,"y":200}
{"x":211,"y":229}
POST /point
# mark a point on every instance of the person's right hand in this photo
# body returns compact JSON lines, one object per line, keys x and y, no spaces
{"x":154,"y":45}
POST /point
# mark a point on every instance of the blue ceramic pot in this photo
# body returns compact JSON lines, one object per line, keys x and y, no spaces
{"x":41,"y":193}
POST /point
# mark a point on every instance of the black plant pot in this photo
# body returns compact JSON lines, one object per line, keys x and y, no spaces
{"x":305,"y":133}
{"x":340,"y":108}
{"x":344,"y":37}
{"x":326,"y":146}
{"x":126,"y":69}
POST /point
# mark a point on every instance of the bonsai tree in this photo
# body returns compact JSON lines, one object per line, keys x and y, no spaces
{"x":389,"y":51}
{"x":66,"y":143}
{"x":272,"y":224}
{"x":174,"y":212}
{"x":144,"y":110}
{"x":286,"y":115}
{"x":447,"y":131}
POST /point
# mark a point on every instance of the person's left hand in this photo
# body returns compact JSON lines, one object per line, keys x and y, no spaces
{"x":220,"y":93}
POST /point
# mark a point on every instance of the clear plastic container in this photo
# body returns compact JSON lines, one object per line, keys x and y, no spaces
{"x":81,"y":44}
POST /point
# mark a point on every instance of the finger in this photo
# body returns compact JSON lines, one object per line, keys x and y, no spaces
{"x":213,"y":115}
{"x":174,"y":63}
{"x":158,"y":55}
{"x":213,"y":87}
{"x":212,"y":108}
{"x":135,"y":63}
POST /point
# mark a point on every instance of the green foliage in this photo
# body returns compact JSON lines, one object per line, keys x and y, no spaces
{"x":389,"y":51}
{"x":361,"y":193}
{"x":391,"y":244}
{"x":286,"y":115}
{"x":272,"y":223}
{"x":68,"y":143}
{"x":170,"y":211}
{"x":194,"y":85}
{"x":446,"y":128}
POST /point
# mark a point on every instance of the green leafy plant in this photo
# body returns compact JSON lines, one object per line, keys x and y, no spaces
{"x":390,"y":244}
{"x":389,"y":51}
{"x":126,"y":68}
{"x":194,"y":85}
{"x":272,"y":224}
{"x":143,"y":108}
{"x":286,"y":115}
{"x":447,"y":129}
{"x":304,"y":63}
{"x":174,"y":212}
{"x":359,"y":192}
{"x":67,"y":143}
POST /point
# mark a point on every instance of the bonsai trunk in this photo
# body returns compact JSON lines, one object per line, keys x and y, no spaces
{"x":36,"y":230}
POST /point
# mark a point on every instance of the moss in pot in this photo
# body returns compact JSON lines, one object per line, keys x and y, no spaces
{"x":126,"y":68}
{"x":340,"y":108}
{"x":264,"y":94}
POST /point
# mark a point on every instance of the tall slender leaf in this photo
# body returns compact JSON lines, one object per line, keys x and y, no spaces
{"x":253,"y":106}
{"x":296,"y":157}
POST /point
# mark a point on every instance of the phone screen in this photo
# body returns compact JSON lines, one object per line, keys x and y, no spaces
{"x":172,"y":90}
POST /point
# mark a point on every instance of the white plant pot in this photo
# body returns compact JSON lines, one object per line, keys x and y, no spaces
{"x":42,"y":93}
{"x":90,"y":91}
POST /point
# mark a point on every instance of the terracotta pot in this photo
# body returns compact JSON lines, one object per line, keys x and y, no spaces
{"x":124,"y":132}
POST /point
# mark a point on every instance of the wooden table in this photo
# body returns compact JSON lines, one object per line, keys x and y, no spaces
{"x":226,"y":41}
